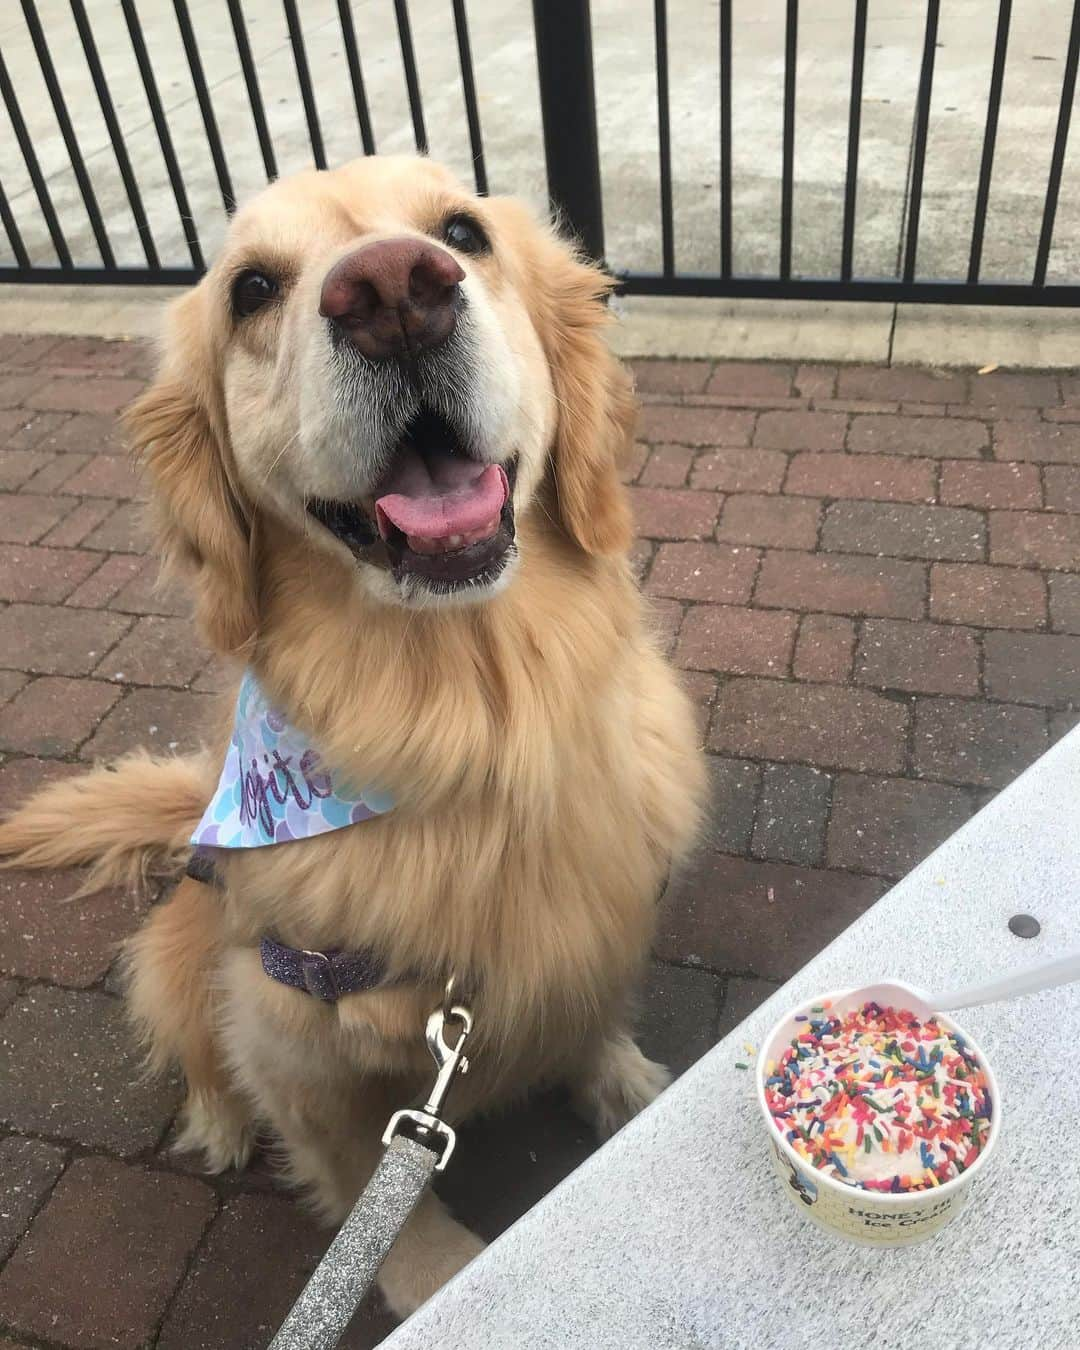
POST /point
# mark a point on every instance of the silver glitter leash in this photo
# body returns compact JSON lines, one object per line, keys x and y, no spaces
{"x":418,"y":1143}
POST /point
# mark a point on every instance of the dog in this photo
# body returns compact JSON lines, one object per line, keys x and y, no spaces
{"x":383,"y":446}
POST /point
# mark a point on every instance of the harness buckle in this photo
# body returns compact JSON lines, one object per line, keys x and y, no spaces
{"x":320,"y":977}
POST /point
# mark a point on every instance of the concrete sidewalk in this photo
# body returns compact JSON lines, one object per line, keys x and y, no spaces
{"x":503,"y":50}
{"x":870,"y":579}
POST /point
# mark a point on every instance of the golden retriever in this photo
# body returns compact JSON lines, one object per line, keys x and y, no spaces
{"x":374,"y":343}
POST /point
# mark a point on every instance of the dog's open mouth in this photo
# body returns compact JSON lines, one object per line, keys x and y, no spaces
{"x":442,"y":515}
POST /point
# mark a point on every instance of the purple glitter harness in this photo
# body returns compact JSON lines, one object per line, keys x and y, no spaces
{"x":274,"y":789}
{"x":327,"y":975}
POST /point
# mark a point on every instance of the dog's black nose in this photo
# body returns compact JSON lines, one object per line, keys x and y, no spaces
{"x":393,"y":298}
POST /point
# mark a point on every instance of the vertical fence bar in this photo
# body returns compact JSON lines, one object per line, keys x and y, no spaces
{"x":568,"y":107}
{"x":11,"y":229}
{"x":851,"y":179}
{"x":787,"y":187}
{"x":116,"y":136}
{"x":922,"y":126}
{"x":1057,"y":162}
{"x":412,"y":81}
{"x":725,"y":139}
{"x":161,"y":126}
{"x":251,"y":80}
{"x":356,"y":77}
{"x":206,"y":108}
{"x":33,"y":168}
{"x":986,"y":167}
{"x":303,"y":75}
{"x":663,"y":122}
{"x":67,"y":131}
{"x":468,"y":89}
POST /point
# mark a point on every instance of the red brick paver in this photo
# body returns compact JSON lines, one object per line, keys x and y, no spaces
{"x":103,"y":1257}
{"x":981,"y":743}
{"x":1039,"y":668}
{"x":885,"y":478}
{"x":891,"y":434}
{"x":801,"y":430}
{"x":742,"y":641}
{"x":671,"y":377}
{"x":54,"y":715}
{"x":28,"y":1172}
{"x":925,"y":657}
{"x":842,"y":585}
{"x":833,"y":727}
{"x":1065,"y":603}
{"x":1037,"y":442}
{"x":73,"y":1071}
{"x":45,"y":936}
{"x":968,"y":483}
{"x":870,"y":580}
{"x":902,"y":383}
{"x":1062,"y":488}
{"x":718,"y":572}
{"x":1037,"y":539}
{"x":823,"y":651}
{"x":674,"y":513}
{"x":903,"y":531}
{"x":667,"y":466}
{"x":733,"y":913}
{"x":747,"y":470}
{"x":103,"y":395}
{"x":49,"y":640}
{"x":695,"y":426}
{"x":26,"y":517}
{"x":892,"y":820}
{"x":995,"y":597}
{"x":777,"y":521}
{"x":44,"y":576}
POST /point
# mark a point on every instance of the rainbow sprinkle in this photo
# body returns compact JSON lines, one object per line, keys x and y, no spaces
{"x":880,"y":1100}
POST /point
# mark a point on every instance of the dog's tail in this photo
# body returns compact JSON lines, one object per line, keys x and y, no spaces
{"x":124,"y":821}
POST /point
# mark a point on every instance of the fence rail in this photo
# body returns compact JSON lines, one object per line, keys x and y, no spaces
{"x":564,"y":39}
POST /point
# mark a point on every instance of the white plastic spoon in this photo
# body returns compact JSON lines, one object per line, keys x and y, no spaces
{"x":1049,"y":975}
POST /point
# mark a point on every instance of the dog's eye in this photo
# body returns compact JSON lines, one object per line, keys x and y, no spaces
{"x":251,"y":291}
{"x":465,"y":234}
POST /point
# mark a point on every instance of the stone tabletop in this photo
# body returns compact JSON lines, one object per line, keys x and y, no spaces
{"x":674,"y":1234}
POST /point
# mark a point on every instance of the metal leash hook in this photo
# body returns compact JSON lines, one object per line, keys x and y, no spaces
{"x":429,"y":1127}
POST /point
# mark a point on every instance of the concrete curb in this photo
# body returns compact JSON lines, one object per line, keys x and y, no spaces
{"x":885,"y":334}
{"x":84,"y":311}
{"x":747,"y":330}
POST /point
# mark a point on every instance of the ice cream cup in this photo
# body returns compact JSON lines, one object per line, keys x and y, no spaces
{"x":870,"y":1218}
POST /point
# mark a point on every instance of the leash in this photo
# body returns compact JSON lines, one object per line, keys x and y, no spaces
{"x":418,"y":1144}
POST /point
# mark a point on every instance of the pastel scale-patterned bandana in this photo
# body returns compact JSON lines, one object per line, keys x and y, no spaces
{"x":274,"y":787}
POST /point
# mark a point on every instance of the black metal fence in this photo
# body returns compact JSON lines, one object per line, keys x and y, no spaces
{"x":563,"y":36}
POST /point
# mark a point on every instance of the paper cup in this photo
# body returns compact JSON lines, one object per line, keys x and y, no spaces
{"x":869,"y":1217}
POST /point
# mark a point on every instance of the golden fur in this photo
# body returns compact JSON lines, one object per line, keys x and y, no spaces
{"x":541,"y":755}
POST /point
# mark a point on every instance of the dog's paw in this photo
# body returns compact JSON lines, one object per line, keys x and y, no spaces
{"x":407,"y":1283}
{"x":218,"y":1127}
{"x":622,"y":1083}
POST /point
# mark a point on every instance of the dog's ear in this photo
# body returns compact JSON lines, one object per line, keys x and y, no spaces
{"x":177,"y":430}
{"x":597,"y":410}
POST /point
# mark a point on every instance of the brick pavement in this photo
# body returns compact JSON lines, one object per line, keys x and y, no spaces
{"x":870,"y":579}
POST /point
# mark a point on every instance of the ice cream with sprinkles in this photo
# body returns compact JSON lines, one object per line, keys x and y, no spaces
{"x":880,"y":1099}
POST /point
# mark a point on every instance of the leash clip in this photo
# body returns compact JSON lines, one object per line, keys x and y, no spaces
{"x":427,"y":1125}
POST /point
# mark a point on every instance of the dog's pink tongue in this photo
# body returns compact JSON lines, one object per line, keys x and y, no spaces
{"x":440,"y":496}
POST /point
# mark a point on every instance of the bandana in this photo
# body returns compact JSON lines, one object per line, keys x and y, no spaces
{"x":274,"y":787}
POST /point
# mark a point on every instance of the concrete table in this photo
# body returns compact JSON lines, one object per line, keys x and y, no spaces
{"x":675,"y":1234}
